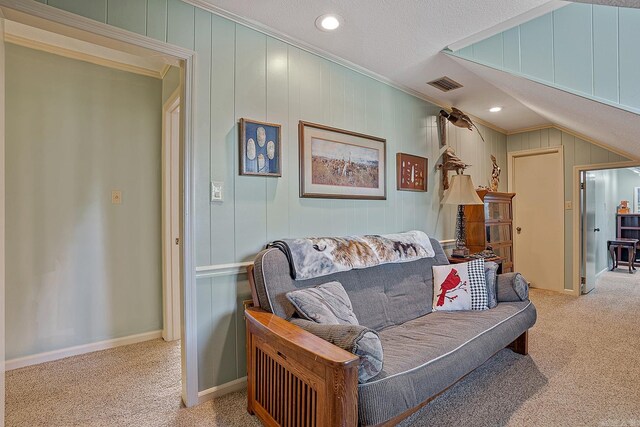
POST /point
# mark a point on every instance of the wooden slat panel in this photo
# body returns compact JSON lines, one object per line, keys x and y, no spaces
{"x":128,"y":14}
{"x":157,"y":19}
{"x":94,"y":9}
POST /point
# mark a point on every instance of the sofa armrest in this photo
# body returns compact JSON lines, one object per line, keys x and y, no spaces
{"x":511,"y":287}
{"x":356,"y":339}
{"x":291,"y":335}
{"x":294,"y":375}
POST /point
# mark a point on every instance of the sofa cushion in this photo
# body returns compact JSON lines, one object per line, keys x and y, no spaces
{"x":426,"y":355}
{"x":381,"y":296}
{"x":363,"y":342}
{"x":328,"y":304}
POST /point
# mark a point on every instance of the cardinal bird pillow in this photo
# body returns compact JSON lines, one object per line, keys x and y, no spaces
{"x":459,"y":287}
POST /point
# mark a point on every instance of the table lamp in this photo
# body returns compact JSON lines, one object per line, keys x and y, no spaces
{"x":461,"y":192}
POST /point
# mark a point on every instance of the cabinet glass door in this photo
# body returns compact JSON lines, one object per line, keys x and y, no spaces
{"x":497,"y":233}
{"x":497,"y":211}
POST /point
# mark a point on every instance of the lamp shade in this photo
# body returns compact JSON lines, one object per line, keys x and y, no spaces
{"x":461,"y":192}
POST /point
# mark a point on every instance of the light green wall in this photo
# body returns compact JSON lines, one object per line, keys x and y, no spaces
{"x":170,"y":83}
{"x":243,"y":73}
{"x":79,"y":269}
{"x":589,"y":50}
{"x":576,"y":152}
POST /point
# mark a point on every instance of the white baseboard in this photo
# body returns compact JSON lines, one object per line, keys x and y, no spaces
{"x":603,"y":271}
{"x":49,"y":356}
{"x":219,"y":390}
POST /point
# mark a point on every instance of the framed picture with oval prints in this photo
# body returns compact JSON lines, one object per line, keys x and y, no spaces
{"x":260,"y":148}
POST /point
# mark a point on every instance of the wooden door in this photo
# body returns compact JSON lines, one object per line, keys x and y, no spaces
{"x":537,"y":178}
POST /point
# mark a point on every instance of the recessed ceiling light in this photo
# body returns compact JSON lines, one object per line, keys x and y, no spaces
{"x":495,"y":109}
{"x":328,"y":22}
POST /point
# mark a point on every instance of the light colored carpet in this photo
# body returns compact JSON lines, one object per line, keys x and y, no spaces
{"x":583,"y":369}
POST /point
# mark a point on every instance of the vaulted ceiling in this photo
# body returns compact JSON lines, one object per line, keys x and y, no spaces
{"x":402,"y":42}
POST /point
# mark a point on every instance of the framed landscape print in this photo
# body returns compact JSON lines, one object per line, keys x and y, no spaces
{"x":260,"y":148}
{"x":411,"y":172}
{"x":339,"y":164}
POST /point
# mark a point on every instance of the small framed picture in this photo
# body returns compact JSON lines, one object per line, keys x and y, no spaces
{"x":411,"y":172}
{"x":340,"y":164}
{"x":260,"y":148}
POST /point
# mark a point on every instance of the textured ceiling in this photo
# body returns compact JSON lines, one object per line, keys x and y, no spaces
{"x":402,"y":41}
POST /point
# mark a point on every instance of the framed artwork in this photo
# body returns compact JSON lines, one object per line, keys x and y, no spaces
{"x":411,"y":172}
{"x":340,"y":164}
{"x":636,"y":199}
{"x":260,"y":148}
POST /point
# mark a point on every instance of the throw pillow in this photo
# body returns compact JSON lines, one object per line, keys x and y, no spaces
{"x":359,"y":340}
{"x":521,"y":287}
{"x":460,"y":287}
{"x":490,"y":275}
{"x":451,"y":287}
{"x":327,"y":304}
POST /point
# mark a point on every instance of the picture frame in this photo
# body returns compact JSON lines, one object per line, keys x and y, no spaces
{"x":260,"y":148}
{"x":411,"y":172}
{"x":636,"y":199}
{"x":341,"y":164}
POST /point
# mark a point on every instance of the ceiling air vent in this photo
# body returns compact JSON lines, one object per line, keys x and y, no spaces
{"x":445,"y":84}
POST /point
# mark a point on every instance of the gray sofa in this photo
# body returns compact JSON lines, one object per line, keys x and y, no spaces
{"x":425,"y":352}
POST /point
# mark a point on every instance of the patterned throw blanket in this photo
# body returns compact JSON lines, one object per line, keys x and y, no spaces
{"x":319,"y":256}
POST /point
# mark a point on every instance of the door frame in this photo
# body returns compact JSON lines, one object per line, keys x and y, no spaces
{"x":2,"y":217}
{"x":42,"y":16}
{"x":511,"y":157}
{"x":170,"y":289}
{"x":578,"y":231}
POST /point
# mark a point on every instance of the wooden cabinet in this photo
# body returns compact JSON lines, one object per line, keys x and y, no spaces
{"x":491,"y":224}
{"x":628,"y":227}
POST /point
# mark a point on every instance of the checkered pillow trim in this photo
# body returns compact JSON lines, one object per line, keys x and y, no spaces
{"x":478,"y":285}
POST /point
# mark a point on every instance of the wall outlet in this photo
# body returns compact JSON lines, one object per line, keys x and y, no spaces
{"x":116,"y":197}
{"x":568,"y":204}
{"x":217,"y":191}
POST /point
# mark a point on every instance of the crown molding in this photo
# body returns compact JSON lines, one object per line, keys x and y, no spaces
{"x":271,"y":32}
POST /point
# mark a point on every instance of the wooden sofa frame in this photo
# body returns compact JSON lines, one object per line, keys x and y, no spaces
{"x":295,"y":378}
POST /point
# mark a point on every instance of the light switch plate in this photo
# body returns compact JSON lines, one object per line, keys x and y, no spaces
{"x":217,"y":191}
{"x":116,"y":197}
{"x":568,"y":204}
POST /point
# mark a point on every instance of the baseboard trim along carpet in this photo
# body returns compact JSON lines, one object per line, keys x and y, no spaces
{"x":49,"y":356}
{"x":219,"y":390}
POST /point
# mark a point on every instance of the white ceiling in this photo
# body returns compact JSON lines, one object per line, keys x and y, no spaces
{"x":402,"y":41}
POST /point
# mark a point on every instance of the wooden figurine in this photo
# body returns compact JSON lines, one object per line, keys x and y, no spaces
{"x":624,"y":207}
{"x":495,"y":175}
{"x":459,"y":119}
{"x":450,"y":162}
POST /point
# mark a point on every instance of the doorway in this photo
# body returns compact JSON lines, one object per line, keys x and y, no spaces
{"x":609,"y":209}
{"x":536,"y":176}
{"x":41,"y":16}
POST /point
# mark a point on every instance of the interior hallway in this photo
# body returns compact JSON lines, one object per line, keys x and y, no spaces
{"x":582,"y":369}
